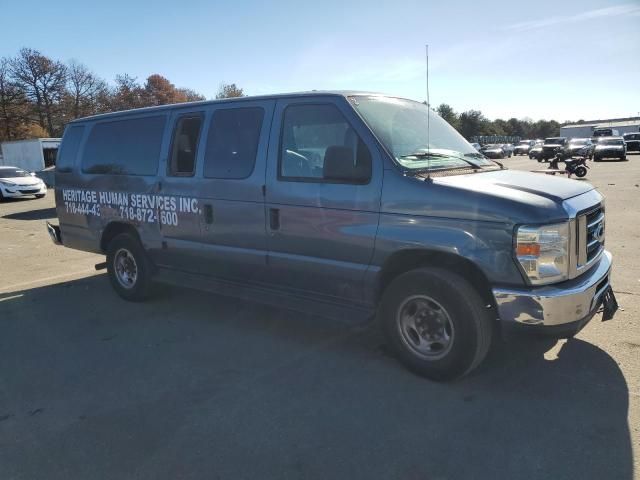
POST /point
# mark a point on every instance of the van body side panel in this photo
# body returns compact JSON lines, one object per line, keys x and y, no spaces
{"x":228,"y":241}
{"x":87,"y":203}
{"x":325,"y":237}
{"x":438,"y":224}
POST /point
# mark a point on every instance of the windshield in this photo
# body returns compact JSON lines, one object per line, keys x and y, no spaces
{"x":550,"y":141}
{"x":602,"y":133}
{"x":632,"y":136}
{"x":526,"y":144}
{"x":13,"y":173}
{"x":401,"y":125}
{"x":611,"y":141}
{"x":578,"y":141}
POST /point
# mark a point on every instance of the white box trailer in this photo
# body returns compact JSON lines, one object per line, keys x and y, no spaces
{"x":32,"y":155}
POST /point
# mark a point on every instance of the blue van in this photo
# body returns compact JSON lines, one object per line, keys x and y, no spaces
{"x":338,"y":203}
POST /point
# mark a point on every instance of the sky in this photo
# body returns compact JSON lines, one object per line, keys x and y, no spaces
{"x":562,"y":60}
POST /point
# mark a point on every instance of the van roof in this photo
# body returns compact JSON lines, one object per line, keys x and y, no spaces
{"x":160,"y":108}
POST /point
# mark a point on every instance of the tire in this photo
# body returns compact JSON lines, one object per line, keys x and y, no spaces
{"x":131,"y":285}
{"x":581,"y":171}
{"x":596,"y":159}
{"x":455,"y":309}
{"x":623,"y":158}
{"x":40,"y":195}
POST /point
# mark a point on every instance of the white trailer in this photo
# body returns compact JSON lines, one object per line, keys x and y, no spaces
{"x":32,"y":155}
{"x":582,"y":130}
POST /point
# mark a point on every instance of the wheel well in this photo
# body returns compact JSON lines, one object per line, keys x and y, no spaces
{"x":114,"y":229}
{"x":406,"y":260}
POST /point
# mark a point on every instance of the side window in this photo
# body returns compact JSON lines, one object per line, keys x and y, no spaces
{"x":232,"y":142}
{"x":124,"y":147}
{"x":69,"y":148}
{"x":184,"y":145}
{"x":318,"y":144}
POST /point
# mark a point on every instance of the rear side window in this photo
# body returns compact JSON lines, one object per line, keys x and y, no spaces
{"x":69,"y":148}
{"x":232,"y":142}
{"x":124,"y":147}
{"x":185,"y":145}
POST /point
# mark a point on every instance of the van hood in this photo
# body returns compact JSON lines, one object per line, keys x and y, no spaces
{"x":517,"y":185}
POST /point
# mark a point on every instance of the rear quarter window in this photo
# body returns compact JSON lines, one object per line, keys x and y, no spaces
{"x":124,"y":147}
{"x":69,"y":148}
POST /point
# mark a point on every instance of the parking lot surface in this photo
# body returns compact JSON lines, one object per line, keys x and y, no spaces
{"x":192,"y":385}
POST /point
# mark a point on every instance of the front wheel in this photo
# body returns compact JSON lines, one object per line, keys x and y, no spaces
{"x":436,"y":323}
{"x":129,"y":268}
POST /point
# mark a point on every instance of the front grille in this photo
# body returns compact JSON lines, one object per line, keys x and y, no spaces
{"x":591,"y":227}
{"x":29,"y":191}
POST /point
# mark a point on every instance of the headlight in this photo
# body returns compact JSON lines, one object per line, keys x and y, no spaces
{"x":543,"y":252}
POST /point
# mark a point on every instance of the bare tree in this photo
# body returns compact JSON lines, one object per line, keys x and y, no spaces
{"x":43,"y":81}
{"x":13,"y":105}
{"x":85,"y":91}
{"x":127,"y":94}
{"x":229,"y":90}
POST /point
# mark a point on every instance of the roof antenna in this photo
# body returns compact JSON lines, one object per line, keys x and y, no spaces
{"x":428,"y":119}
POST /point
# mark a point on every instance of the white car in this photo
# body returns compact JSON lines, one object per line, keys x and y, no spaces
{"x":16,"y":183}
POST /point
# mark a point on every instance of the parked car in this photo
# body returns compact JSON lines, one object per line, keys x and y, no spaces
{"x":493,"y":151}
{"x":523,"y":147}
{"x":508,"y":149}
{"x":632,"y":142}
{"x":334,"y":204}
{"x":17,"y":183}
{"x":535,"y":152}
{"x":603,"y":132}
{"x":610,"y":147}
{"x":551,"y":146}
{"x":579,"y":147}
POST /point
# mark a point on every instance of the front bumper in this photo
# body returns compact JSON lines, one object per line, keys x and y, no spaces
{"x":571,"y":302}
{"x":19,"y":191}
{"x":609,"y":153}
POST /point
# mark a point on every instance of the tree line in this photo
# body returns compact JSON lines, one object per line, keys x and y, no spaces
{"x":473,"y":123}
{"x":39,"y":95}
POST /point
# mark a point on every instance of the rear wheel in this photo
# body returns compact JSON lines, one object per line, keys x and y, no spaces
{"x":129,"y":268}
{"x":436,"y":323}
{"x":581,"y":171}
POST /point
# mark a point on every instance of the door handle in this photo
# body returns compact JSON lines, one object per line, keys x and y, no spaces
{"x":208,"y":213}
{"x":274,"y":218}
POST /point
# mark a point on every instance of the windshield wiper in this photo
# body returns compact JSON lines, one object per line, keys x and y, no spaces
{"x":423,"y":155}
{"x":479,"y":155}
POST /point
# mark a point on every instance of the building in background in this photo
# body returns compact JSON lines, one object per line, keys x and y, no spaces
{"x":586,"y":128}
{"x":32,"y":155}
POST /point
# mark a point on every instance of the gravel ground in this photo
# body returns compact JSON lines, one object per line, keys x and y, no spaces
{"x":192,"y":385}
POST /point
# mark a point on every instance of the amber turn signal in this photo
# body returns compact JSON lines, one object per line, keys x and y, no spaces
{"x":529,"y":249}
